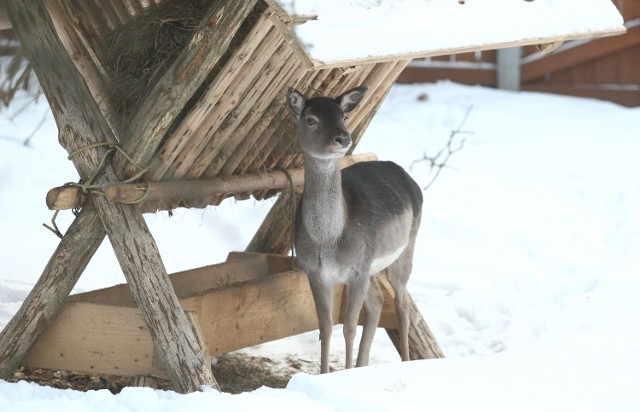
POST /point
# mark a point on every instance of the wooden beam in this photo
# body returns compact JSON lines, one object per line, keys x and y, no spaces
{"x":5,"y":23}
{"x":254,"y":295}
{"x":70,"y":197}
{"x":274,"y":234}
{"x":168,"y":97}
{"x":576,"y":54}
{"x":81,"y":124}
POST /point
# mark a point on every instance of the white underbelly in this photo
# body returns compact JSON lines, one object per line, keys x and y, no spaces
{"x":383,"y":261}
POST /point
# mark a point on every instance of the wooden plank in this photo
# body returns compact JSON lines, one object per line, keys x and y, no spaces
{"x":267,"y":88}
{"x":572,"y":56}
{"x":629,"y":62}
{"x":97,"y":339}
{"x":256,"y":98}
{"x":465,"y":49}
{"x":5,"y":23}
{"x":94,"y":333}
{"x":189,"y":282}
{"x":190,"y":127}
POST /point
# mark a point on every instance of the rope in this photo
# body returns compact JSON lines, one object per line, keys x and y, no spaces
{"x":89,"y":188}
{"x":293,"y":214}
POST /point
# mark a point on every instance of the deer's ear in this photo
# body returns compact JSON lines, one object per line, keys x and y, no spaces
{"x":296,"y":101}
{"x":349,"y":100}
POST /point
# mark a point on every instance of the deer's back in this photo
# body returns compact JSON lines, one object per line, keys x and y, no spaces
{"x":379,"y":190}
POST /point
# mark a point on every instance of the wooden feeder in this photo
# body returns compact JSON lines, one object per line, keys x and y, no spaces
{"x":211,"y":123}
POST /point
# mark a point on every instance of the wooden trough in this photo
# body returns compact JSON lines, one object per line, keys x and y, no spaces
{"x":212,"y":113}
{"x":250,"y":299}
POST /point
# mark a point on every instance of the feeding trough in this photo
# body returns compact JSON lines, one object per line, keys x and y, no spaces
{"x":211,"y":113}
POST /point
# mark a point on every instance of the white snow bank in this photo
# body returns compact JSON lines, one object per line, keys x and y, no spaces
{"x":587,"y":372}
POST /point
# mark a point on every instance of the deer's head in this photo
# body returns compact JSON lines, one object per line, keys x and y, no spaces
{"x":320,"y":121}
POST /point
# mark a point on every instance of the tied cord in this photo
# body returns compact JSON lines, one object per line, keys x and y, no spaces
{"x":89,"y":188}
{"x":293,"y":215}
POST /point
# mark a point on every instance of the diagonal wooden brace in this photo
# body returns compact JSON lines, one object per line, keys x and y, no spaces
{"x":81,"y":123}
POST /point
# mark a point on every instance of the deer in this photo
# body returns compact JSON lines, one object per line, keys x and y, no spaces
{"x":351,"y":224}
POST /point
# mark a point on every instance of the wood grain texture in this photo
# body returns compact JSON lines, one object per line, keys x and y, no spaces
{"x":168,"y":97}
{"x":248,"y":300}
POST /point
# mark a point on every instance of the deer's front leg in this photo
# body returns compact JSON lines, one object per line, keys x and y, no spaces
{"x":323,"y":298}
{"x":358,"y":286}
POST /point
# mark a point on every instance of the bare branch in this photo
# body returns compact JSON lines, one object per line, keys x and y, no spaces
{"x":439,"y":161}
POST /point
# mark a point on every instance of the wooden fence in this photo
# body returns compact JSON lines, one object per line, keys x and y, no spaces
{"x":605,"y":68}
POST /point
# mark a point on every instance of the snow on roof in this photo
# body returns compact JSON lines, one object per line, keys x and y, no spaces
{"x":340,"y":31}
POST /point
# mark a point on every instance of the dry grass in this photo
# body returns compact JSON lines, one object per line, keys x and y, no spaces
{"x":235,"y":373}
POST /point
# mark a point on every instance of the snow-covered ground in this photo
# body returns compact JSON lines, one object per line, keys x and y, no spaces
{"x":526,"y":271}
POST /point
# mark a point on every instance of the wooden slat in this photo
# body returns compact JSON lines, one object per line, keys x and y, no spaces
{"x":189,"y":128}
{"x":270,"y":92}
{"x":74,"y":38}
{"x":221,"y":97}
{"x":465,"y":49}
{"x":5,"y":23}
{"x":169,"y":95}
{"x":255,"y":99}
{"x":97,"y":339}
{"x":572,"y":56}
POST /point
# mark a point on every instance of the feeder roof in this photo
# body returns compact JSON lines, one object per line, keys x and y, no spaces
{"x":333,"y":33}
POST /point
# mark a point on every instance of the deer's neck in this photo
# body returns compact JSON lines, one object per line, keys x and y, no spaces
{"x":323,"y":208}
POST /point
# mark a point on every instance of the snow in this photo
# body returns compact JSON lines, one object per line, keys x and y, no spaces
{"x":359,"y":29}
{"x":526,"y":271}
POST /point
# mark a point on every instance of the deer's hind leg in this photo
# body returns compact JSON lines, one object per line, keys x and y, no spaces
{"x":372,"y":311}
{"x":398,"y":274}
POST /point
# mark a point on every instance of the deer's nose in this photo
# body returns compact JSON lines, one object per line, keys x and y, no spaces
{"x":344,"y":141}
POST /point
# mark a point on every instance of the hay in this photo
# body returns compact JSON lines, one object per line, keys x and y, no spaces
{"x":139,"y":52}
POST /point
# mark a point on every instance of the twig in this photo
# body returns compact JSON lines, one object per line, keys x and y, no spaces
{"x":439,"y":161}
{"x":43,"y":120}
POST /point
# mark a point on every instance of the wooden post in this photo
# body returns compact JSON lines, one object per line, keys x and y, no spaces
{"x":422,"y":343}
{"x":47,"y":296}
{"x":80,"y":124}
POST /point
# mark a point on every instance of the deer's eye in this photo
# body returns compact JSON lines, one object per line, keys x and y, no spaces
{"x":311,"y":121}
